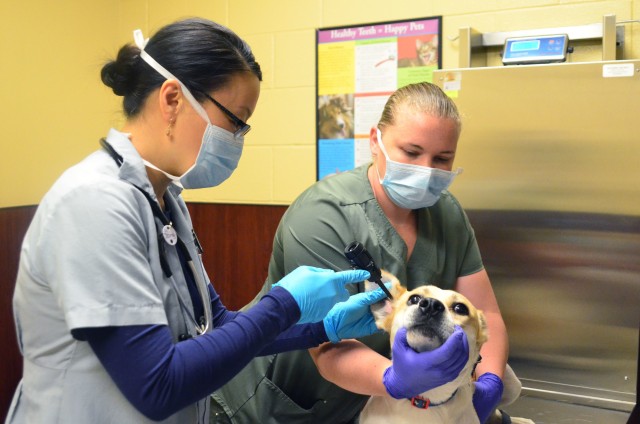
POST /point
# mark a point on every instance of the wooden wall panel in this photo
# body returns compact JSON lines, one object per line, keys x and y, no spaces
{"x":13,"y":225}
{"x":236,"y":240}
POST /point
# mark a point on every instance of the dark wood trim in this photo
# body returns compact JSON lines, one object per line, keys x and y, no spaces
{"x":237,"y":241}
{"x":13,"y":225}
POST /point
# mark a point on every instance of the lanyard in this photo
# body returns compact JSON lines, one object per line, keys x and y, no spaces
{"x":169,"y":235}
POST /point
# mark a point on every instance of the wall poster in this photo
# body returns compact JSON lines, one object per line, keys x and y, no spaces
{"x":358,"y":67}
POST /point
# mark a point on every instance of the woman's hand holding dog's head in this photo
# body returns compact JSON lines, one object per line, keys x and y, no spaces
{"x":412,"y":373}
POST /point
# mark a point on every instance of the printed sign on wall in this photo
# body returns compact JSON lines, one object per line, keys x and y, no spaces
{"x":358,"y":67}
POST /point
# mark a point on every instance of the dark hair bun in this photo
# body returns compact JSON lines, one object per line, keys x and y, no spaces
{"x":121,"y":75}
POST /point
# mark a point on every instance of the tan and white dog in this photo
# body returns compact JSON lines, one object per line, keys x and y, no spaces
{"x":430,"y":315}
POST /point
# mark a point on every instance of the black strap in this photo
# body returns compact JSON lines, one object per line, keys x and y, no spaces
{"x":112,"y":152}
{"x":157,"y":212}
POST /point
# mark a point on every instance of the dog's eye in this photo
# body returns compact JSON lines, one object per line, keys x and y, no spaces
{"x":460,"y":309}
{"x":414,"y":300}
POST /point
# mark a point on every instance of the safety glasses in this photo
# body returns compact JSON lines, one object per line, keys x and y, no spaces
{"x":242,"y":127}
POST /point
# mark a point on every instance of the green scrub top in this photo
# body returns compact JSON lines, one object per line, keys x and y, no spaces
{"x":321,"y":222}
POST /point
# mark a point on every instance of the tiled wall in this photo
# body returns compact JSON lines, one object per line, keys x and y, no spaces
{"x":279,"y":160}
{"x":54,"y":107}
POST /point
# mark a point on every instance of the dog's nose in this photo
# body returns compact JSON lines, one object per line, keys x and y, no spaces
{"x":431,"y":307}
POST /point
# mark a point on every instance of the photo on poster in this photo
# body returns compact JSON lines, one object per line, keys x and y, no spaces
{"x":418,"y":51}
{"x":335,"y":116}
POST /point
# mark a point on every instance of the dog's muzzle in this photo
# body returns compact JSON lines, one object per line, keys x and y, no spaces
{"x":427,"y":325}
{"x":430,"y":307}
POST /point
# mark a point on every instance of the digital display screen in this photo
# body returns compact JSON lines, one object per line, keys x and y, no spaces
{"x":539,"y":49}
{"x":519,"y":46}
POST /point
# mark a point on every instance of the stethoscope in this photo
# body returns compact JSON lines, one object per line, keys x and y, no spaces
{"x":170,"y":236}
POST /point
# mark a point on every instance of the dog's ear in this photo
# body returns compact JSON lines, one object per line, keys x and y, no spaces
{"x":384,"y":317}
{"x":483,"y":334}
{"x":383,"y":310}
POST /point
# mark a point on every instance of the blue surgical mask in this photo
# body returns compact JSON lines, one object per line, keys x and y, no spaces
{"x":220,"y":150}
{"x":413,"y":186}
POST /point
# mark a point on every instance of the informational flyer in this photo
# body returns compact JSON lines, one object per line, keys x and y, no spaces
{"x":358,"y":67}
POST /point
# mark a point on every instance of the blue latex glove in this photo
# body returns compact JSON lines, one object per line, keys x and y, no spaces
{"x":488,"y":393}
{"x":353,"y":318}
{"x":316,"y":290}
{"x":412,"y":373}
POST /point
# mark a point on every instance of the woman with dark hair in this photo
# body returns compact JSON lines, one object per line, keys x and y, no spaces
{"x":116,"y":318}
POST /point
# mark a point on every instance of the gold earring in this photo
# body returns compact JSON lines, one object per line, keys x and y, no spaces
{"x":171,"y":122}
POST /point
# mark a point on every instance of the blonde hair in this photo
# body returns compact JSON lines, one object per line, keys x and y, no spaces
{"x":420,"y":97}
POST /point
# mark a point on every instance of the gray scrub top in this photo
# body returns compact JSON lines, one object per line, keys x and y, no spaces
{"x":90,"y":259}
{"x":319,"y":224}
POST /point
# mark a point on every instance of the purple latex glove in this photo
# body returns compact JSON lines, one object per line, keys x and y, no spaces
{"x":488,"y":393}
{"x":412,"y":373}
